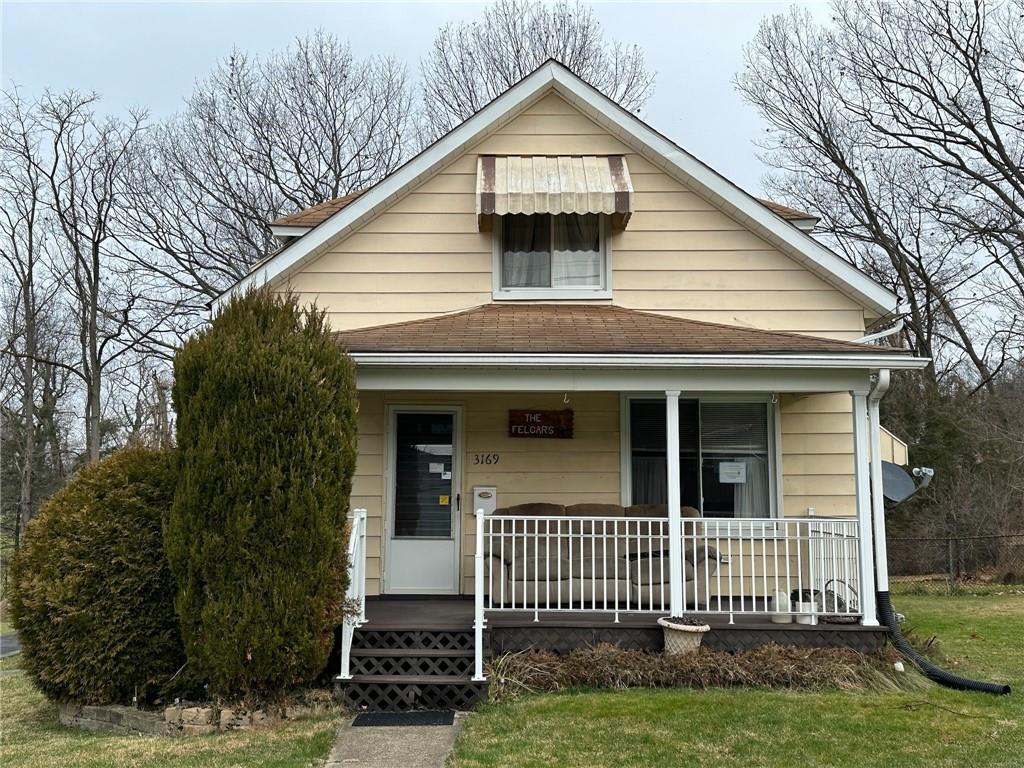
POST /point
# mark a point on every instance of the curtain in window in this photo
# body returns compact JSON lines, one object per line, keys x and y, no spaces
{"x":576,"y":252}
{"x":735,"y":435}
{"x":526,"y":255}
{"x":750,"y":499}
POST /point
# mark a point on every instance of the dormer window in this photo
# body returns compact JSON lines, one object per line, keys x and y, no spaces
{"x":551,"y":218}
{"x":551,"y":254}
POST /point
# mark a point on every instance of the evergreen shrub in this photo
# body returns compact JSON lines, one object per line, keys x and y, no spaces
{"x":266,"y":428}
{"x":92,"y":596}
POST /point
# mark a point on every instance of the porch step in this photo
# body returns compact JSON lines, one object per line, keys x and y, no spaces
{"x":399,"y":668}
{"x":418,"y":639}
{"x":403,"y":661}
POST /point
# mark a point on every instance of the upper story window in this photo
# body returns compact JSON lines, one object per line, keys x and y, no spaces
{"x":551,"y":256}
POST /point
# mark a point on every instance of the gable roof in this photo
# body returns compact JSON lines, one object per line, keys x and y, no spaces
{"x":656,"y":148}
{"x":585,"y":329}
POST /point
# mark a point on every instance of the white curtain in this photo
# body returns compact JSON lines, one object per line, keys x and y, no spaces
{"x":649,"y":480}
{"x":526,"y":255}
{"x":750,"y":499}
{"x":576,"y":252}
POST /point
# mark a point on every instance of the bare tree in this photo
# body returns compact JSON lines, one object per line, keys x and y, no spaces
{"x":28,"y":292}
{"x":897,"y":123}
{"x":259,"y":138}
{"x":103,"y":307}
{"x":472,"y":63}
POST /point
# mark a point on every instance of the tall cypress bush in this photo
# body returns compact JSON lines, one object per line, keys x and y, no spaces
{"x":266,"y":408}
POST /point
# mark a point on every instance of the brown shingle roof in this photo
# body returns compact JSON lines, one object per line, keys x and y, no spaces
{"x":318,"y":213}
{"x":582,"y":329}
{"x":790,"y":214}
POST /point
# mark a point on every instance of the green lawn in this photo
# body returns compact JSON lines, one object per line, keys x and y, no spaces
{"x":980,"y":635}
{"x":30,"y":736}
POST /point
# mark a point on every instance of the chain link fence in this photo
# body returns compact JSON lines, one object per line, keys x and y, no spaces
{"x":923,"y":564}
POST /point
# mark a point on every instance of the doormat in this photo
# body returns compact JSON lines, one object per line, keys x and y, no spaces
{"x":444,"y":717}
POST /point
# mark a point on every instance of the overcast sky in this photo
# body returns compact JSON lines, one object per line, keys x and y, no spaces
{"x":150,"y":53}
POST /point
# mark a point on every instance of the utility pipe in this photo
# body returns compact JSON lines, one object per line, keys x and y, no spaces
{"x":883,"y":601}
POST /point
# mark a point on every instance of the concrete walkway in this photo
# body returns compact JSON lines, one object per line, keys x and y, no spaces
{"x":421,"y":746}
{"x":9,"y":645}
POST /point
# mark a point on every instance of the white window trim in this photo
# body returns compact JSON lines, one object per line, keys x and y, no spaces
{"x":604,"y":291}
{"x":774,"y":448}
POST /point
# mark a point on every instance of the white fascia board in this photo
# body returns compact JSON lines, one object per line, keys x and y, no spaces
{"x":632,"y":362}
{"x":423,"y":165}
{"x":804,"y":225}
{"x":674,"y":160}
{"x":283,"y":230}
{"x":745,"y":381}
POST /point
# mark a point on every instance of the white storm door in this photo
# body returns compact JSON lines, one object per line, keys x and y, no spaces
{"x":422,"y":540}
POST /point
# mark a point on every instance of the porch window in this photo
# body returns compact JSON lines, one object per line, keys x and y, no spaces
{"x":724,"y":456}
{"x":548,"y":255}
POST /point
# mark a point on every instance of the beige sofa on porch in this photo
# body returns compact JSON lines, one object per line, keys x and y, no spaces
{"x":550,"y":556}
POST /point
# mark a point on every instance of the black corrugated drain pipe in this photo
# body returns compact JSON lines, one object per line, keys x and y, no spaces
{"x":929,"y":670}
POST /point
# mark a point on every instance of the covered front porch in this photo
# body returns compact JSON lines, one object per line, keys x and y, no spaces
{"x":579,"y":495}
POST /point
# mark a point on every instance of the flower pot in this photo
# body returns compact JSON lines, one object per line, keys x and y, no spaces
{"x":805,"y":613}
{"x":781,"y":604}
{"x":681,"y":639}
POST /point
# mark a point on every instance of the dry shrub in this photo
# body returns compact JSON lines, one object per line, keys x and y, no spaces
{"x":768,"y":666}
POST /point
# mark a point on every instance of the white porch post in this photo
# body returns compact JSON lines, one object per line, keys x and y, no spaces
{"x":675,"y":526}
{"x":862,"y":463}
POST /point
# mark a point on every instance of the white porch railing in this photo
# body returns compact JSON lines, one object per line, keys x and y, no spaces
{"x":615,"y":565}
{"x":356,"y":594}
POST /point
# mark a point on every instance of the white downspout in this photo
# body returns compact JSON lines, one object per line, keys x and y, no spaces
{"x":877,"y":499}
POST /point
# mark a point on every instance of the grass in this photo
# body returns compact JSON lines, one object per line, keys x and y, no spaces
{"x":30,"y":736}
{"x":934,"y":727}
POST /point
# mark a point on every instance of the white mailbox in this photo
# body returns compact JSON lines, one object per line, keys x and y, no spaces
{"x":485,"y":497}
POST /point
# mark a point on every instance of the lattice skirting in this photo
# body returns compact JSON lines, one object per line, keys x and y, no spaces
{"x":565,"y":639}
{"x":823,"y":636}
{"x":415,"y":639}
{"x":402,"y":697}
{"x":446,"y":666}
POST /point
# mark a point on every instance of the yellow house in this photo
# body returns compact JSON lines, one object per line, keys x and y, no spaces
{"x":599,"y":383}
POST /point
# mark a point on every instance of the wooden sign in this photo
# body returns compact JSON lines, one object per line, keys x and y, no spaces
{"x":540,"y":423}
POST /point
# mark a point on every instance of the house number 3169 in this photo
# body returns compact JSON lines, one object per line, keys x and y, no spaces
{"x":486,"y":458}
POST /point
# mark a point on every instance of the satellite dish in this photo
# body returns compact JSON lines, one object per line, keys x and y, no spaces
{"x":897,"y":484}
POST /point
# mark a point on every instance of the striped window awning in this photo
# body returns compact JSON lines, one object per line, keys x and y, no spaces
{"x":547,"y":184}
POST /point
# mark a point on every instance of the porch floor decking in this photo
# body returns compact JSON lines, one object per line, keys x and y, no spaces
{"x":564,"y":630}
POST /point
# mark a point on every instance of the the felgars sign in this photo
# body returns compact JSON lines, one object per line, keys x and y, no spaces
{"x":540,"y":423}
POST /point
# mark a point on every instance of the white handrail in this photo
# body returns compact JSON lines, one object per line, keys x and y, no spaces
{"x":356,"y":592}
{"x":621,"y":565}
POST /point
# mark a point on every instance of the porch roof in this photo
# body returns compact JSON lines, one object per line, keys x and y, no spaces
{"x":587,"y":329}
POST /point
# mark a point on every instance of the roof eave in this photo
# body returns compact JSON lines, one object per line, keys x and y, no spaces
{"x":665,"y":361}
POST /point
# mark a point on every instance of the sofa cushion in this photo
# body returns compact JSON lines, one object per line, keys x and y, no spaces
{"x":551,"y":568}
{"x":646,"y":510}
{"x":593,"y":510}
{"x":533,"y":509}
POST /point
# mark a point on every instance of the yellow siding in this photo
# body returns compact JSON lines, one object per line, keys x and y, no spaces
{"x":817,"y":455}
{"x":892,"y":448}
{"x":583,"y":469}
{"x":680,"y":255}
